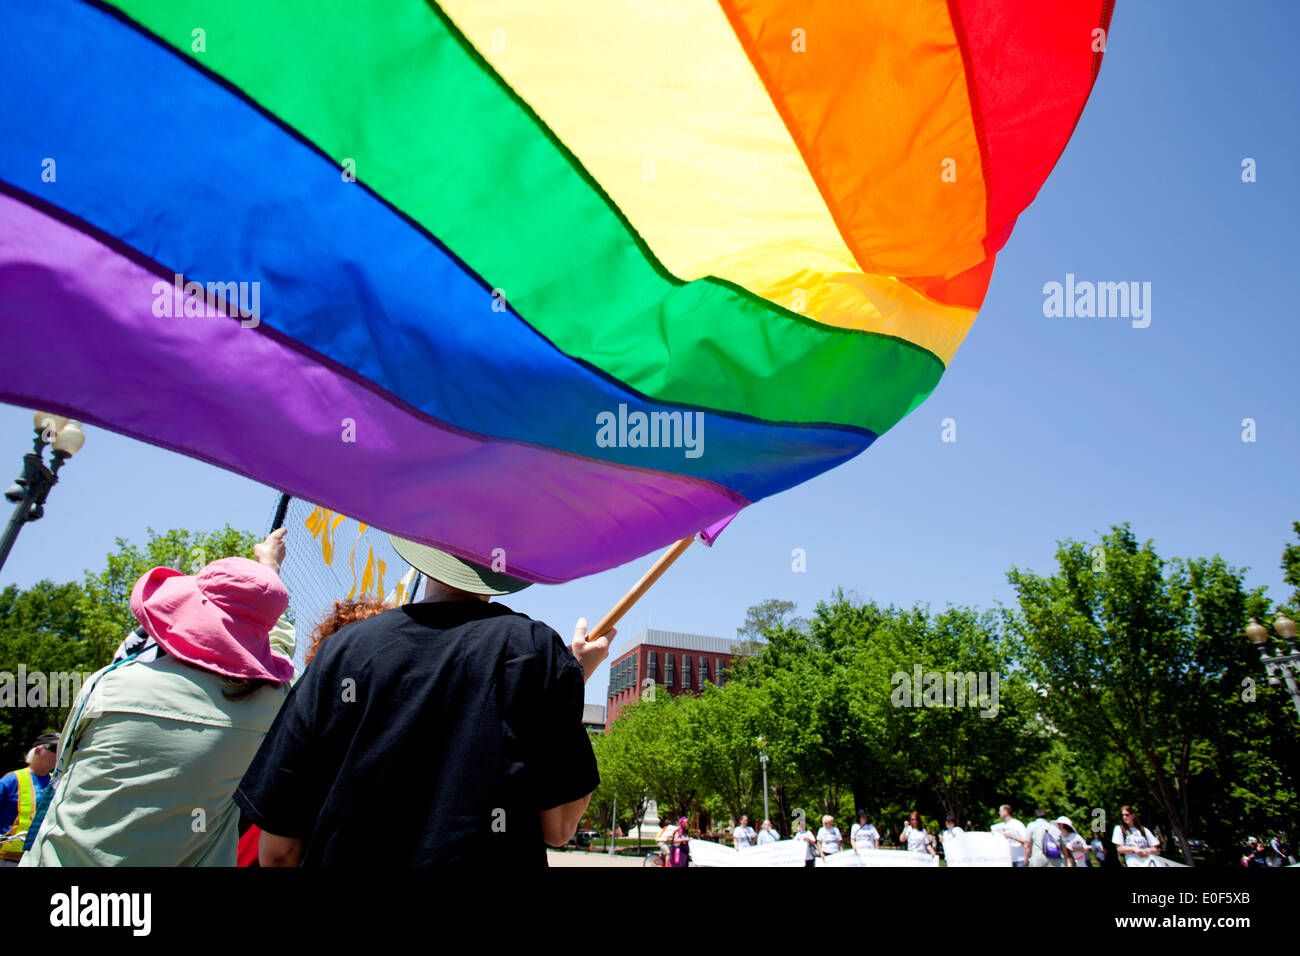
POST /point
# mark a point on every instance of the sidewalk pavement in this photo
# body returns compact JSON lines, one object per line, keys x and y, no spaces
{"x":588,"y":858}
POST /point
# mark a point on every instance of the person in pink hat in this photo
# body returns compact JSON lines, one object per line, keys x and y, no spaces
{"x":156,"y":743}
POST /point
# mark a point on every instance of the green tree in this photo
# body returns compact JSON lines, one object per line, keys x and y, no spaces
{"x":621,"y":789}
{"x":761,"y":619}
{"x":722,"y":730}
{"x":1137,"y":656}
{"x":962,"y":756}
{"x":108,"y":591}
{"x":1291,"y":570}
{"x":816,"y":744}
{"x":837,"y":730}
{"x":657,"y":751}
{"x":42,"y":628}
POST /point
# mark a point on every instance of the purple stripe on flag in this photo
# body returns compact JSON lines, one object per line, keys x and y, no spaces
{"x":710,"y":534}
{"x":251,"y":401}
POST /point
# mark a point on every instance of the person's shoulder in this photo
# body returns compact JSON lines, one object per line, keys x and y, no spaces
{"x":125,"y":678}
{"x":543,"y":640}
{"x":170,"y":689}
{"x":539,"y":632}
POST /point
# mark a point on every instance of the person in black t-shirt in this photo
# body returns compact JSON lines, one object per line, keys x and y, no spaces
{"x":444,"y":732}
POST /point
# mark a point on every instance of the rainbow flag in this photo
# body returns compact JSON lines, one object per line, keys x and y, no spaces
{"x":545,"y":285}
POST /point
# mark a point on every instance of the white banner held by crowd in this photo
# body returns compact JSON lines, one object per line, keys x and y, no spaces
{"x":781,"y":853}
{"x":879,"y":858}
{"x":977,"y":848}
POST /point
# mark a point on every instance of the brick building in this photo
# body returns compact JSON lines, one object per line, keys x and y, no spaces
{"x":676,"y":663}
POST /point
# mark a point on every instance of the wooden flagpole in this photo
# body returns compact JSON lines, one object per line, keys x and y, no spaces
{"x":631,"y":597}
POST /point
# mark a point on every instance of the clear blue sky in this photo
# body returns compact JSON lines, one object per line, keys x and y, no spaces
{"x":1064,"y":425}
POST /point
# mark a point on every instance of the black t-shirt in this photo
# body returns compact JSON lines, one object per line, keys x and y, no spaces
{"x":432,"y":734}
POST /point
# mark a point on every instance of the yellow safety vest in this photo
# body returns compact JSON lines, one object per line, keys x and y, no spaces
{"x":13,"y":849}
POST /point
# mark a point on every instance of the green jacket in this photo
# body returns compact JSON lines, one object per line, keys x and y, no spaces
{"x":151,"y":768}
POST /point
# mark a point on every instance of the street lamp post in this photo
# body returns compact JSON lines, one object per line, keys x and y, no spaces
{"x":1286,"y":629}
{"x":762,"y":758}
{"x":33,"y":486}
{"x":613,"y":827}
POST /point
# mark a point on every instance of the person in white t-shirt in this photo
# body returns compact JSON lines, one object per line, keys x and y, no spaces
{"x":766,"y":834}
{"x":829,"y":836}
{"x":743,"y":836}
{"x":862,"y":835}
{"x":1098,"y":848}
{"x":1076,"y":844}
{"x":1015,"y":832}
{"x":950,"y":830}
{"x":1134,"y":843}
{"x":914,"y":836}
{"x":810,"y":842}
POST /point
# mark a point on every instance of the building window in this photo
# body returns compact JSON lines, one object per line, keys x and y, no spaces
{"x":686,"y":672}
{"x":620,"y":678}
{"x":668,"y":670}
{"x":722,"y":673}
{"x":704,"y":672}
{"x":653,"y":668}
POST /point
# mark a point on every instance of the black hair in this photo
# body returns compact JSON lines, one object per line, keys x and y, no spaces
{"x":237,"y":688}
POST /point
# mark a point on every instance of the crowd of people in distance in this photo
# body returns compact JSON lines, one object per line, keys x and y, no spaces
{"x":1276,"y":852}
{"x":202,"y":745}
{"x":1040,"y":843}
{"x":1056,"y":842}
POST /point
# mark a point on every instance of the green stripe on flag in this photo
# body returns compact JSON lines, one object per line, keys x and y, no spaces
{"x":393,"y":87}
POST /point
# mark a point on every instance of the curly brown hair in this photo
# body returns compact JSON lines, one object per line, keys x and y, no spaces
{"x":343,"y":614}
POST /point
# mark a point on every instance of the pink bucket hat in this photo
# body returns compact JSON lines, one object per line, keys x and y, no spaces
{"x":218,"y":619}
